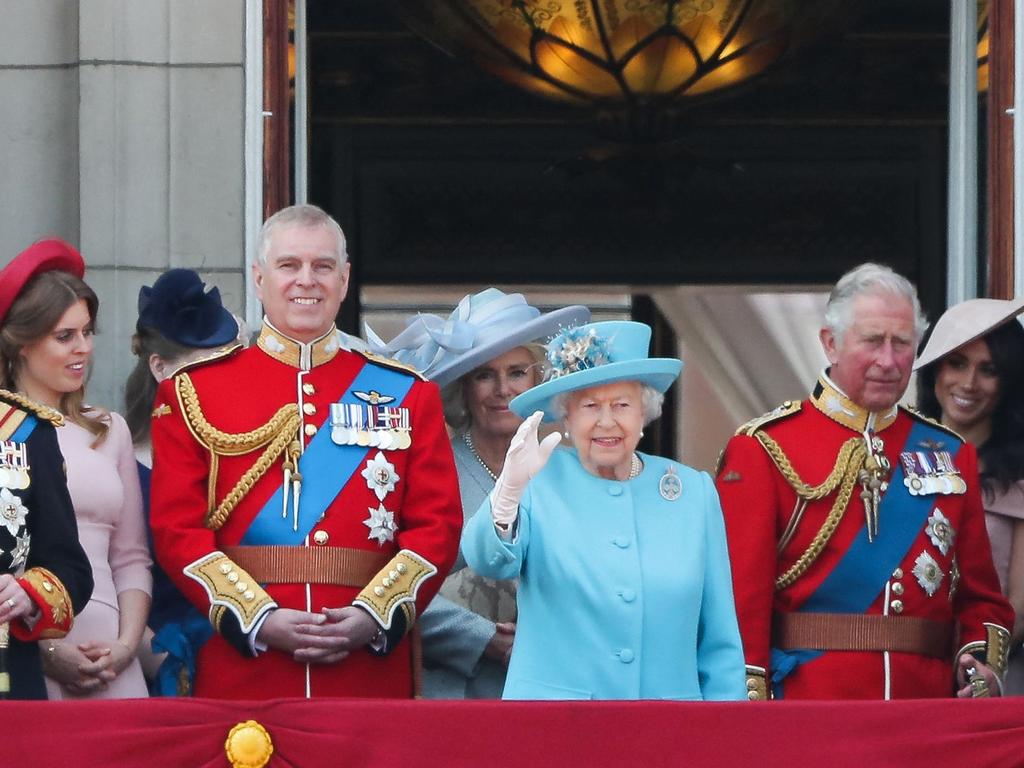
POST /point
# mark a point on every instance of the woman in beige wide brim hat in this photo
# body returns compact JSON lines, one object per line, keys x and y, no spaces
{"x":971,"y":378}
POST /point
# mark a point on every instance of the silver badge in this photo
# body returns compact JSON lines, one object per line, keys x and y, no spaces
{"x":670,"y":486}
{"x":929,"y":574}
{"x":381,"y":523}
{"x":380,"y":476}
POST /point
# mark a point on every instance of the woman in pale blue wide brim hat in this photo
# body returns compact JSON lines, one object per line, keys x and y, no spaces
{"x":625,"y":587}
{"x":482,"y":355}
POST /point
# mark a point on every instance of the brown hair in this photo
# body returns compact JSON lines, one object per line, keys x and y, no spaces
{"x":140,"y":389}
{"x":37,"y":310}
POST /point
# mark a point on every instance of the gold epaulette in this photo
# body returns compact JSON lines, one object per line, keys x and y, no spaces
{"x":44,"y":412}
{"x":388,"y":362}
{"x":918,"y":416}
{"x":217,"y":354}
{"x":788,"y":408}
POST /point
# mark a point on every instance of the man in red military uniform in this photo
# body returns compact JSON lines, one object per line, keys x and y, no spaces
{"x":304,"y":495}
{"x":856,"y":532}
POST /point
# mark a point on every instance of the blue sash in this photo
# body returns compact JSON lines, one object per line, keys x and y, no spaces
{"x":22,"y":432}
{"x":326,"y":467}
{"x":860,"y":575}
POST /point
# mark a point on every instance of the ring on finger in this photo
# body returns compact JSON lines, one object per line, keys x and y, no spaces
{"x":10,"y":603}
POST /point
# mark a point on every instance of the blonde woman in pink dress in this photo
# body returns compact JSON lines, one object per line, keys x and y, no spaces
{"x":48,"y":341}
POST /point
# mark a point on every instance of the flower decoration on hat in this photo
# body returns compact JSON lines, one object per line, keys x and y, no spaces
{"x":577,"y":349}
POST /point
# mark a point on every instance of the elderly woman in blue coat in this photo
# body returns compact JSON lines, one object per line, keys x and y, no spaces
{"x":625,"y":588}
{"x":482,"y":355}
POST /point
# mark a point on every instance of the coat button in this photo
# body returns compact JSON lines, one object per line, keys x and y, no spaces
{"x":621,"y":542}
{"x":308,"y":389}
{"x":897,"y":606}
{"x":321,"y":537}
{"x":897,"y":588}
{"x":308,"y":408}
{"x":898,"y":573}
{"x":615,"y":489}
{"x":626,"y":656}
{"x":309,"y":429}
{"x":753,"y":696}
{"x":627,"y":595}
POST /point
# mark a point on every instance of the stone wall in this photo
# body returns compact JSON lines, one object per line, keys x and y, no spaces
{"x":122,"y":131}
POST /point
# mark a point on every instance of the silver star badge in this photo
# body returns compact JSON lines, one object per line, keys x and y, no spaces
{"x":380,"y":476}
{"x":381,"y":523}
{"x":20,"y":553}
{"x":940,"y":531}
{"x":12,"y":511}
{"x":928,"y":573}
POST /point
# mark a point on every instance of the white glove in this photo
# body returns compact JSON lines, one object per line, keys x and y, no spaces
{"x":524,"y":459}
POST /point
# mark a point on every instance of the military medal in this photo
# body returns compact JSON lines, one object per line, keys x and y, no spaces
{"x":14,"y":469}
{"x":670,"y":486}
{"x":12,"y":512}
{"x":19,"y":555}
{"x":940,"y":531}
{"x":380,"y":476}
{"x":929,"y":574}
{"x":931,"y":472}
{"x":381,"y":523}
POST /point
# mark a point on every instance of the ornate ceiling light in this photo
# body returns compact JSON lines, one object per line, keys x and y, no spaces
{"x":630,"y":59}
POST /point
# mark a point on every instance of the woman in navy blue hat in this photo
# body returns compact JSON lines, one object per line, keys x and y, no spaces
{"x":482,"y":355}
{"x":180,"y":324}
{"x":47,"y":345}
{"x":625,"y":589}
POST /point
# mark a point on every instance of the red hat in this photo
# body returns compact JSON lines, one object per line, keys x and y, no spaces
{"x":44,"y":256}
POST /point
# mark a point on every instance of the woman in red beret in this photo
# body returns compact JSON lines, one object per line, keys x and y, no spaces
{"x":46,"y":344}
{"x":45,"y":576}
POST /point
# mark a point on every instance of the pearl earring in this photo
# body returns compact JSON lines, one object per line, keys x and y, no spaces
{"x":641,"y":433}
{"x":566,"y":433}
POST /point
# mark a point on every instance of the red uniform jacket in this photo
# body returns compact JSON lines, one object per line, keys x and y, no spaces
{"x":214,"y":427}
{"x":759,"y":504}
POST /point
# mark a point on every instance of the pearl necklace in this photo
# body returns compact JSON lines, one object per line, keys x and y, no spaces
{"x":635,"y":467}
{"x":469,"y":444}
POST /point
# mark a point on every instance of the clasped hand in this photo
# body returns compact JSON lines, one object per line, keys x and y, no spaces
{"x":317,"y":638}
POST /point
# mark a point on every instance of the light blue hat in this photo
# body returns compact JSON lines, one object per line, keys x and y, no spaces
{"x":482,"y":326}
{"x":594,"y":354}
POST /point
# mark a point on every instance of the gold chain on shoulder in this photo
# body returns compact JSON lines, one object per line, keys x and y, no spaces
{"x":228,"y":443}
{"x":216,"y":518}
{"x":276,"y":435}
{"x":843,"y":476}
{"x":51,"y":415}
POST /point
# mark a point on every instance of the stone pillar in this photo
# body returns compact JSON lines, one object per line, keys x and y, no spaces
{"x":131,"y":127}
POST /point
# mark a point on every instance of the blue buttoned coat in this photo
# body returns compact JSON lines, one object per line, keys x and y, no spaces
{"x":623,"y":594}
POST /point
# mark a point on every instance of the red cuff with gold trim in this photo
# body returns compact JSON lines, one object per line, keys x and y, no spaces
{"x":54,"y":603}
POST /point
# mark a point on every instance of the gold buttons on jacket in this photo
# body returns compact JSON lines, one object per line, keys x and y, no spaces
{"x":321,"y":537}
{"x":898,"y":573}
{"x":308,"y":389}
{"x":897,"y":606}
{"x":309,"y":429}
{"x":308,"y":408}
{"x":897,"y":589}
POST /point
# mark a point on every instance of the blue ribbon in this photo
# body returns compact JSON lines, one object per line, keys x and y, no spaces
{"x":22,"y":433}
{"x":326,"y":467}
